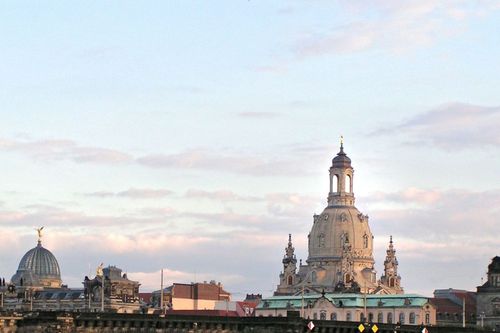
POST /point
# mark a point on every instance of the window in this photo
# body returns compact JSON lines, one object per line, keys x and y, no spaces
{"x":347,"y":184}
{"x":389,"y":318}
{"x":370,"y":317}
{"x":322,"y":315}
{"x":380,"y":317}
{"x":391,"y":282}
{"x":362,"y":318}
{"x":365,"y":241}
{"x":427,"y":318}
{"x":333,"y":316}
{"x":290,"y":280}
{"x":315,"y":316}
{"x":313,"y":276}
{"x":412,"y":318}
{"x":348,"y":316}
{"x":401,"y":317}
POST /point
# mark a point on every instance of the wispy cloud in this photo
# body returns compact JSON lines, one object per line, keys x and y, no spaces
{"x":204,"y":159}
{"x":220,"y":195}
{"x":392,"y":25}
{"x":133,"y":193}
{"x":452,"y":126}
{"x":53,"y":150}
{"x":195,"y":159}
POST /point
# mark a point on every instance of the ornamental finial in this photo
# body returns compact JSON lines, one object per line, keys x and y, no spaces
{"x":341,"y":141}
{"x":39,"y":232}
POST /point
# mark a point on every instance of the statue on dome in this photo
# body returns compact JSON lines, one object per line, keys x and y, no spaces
{"x":39,"y":231}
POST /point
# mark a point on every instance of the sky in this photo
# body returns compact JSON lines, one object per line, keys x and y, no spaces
{"x":194,"y":136}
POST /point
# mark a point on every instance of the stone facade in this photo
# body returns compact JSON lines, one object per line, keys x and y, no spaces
{"x":340,"y":246}
{"x":488,"y":298}
{"x":403,"y":309}
{"x":121,"y":294}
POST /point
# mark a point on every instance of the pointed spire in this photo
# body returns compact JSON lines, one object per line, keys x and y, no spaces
{"x":341,"y":143}
{"x":289,"y":250}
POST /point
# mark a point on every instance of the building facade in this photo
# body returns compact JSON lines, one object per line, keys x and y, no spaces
{"x":488,"y":298}
{"x":37,"y":285}
{"x":340,"y":246}
{"x":453,"y":305}
{"x":390,"y":309}
{"x":192,"y":296}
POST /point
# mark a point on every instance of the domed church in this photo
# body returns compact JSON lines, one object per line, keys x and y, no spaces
{"x":340,"y":247}
{"x":38,"y":268}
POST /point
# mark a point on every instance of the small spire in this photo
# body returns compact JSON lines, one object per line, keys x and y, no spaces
{"x":390,"y":241}
{"x":289,"y":238}
{"x":341,"y":143}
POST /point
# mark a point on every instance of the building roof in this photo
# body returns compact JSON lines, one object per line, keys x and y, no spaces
{"x":346,"y":300}
{"x":37,"y":264}
{"x":341,"y":160}
{"x":494,"y":267}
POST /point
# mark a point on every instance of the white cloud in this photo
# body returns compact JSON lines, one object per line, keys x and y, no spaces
{"x":57,"y":150}
{"x":220,"y":195}
{"x":393,"y":25}
{"x":133,"y":193}
{"x":454,"y":126}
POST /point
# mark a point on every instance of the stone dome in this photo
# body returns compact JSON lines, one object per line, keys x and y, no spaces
{"x":341,"y":160}
{"x":38,"y":267}
{"x":336,"y":226}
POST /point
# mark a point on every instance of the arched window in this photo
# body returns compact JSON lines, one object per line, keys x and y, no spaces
{"x":365,"y":241}
{"x":348,"y":316}
{"x":391,"y":282}
{"x":321,"y":240}
{"x":313,"y":276}
{"x":389,"y":318}
{"x":427,"y":318}
{"x":290,"y":280}
{"x":337,"y":182}
{"x":370,"y":317}
{"x":315,"y":315}
{"x":322,"y":315}
{"x":362,"y":317}
{"x":333,"y":316}
{"x":401,"y":317}
{"x":347,"y":184}
{"x":347,"y":278}
{"x":412,"y":317}
{"x":380,"y":317}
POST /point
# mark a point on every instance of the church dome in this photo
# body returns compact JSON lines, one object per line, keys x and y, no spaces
{"x":341,"y":160}
{"x":336,"y":227}
{"x":38,"y":267}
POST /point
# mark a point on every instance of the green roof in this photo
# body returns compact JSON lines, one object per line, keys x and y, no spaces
{"x":348,"y":300}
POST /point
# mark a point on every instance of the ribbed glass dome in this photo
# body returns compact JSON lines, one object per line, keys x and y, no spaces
{"x":41,"y":262}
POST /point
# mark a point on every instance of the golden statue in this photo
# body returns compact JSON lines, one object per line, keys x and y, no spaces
{"x":39,"y":231}
{"x":99,"y":271}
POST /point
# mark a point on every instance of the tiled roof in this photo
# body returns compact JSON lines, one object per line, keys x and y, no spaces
{"x":346,"y":300}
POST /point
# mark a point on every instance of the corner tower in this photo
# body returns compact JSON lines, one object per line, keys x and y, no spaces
{"x":391,"y":280}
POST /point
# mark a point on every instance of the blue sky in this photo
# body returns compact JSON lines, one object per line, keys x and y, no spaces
{"x":195,"y":136}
